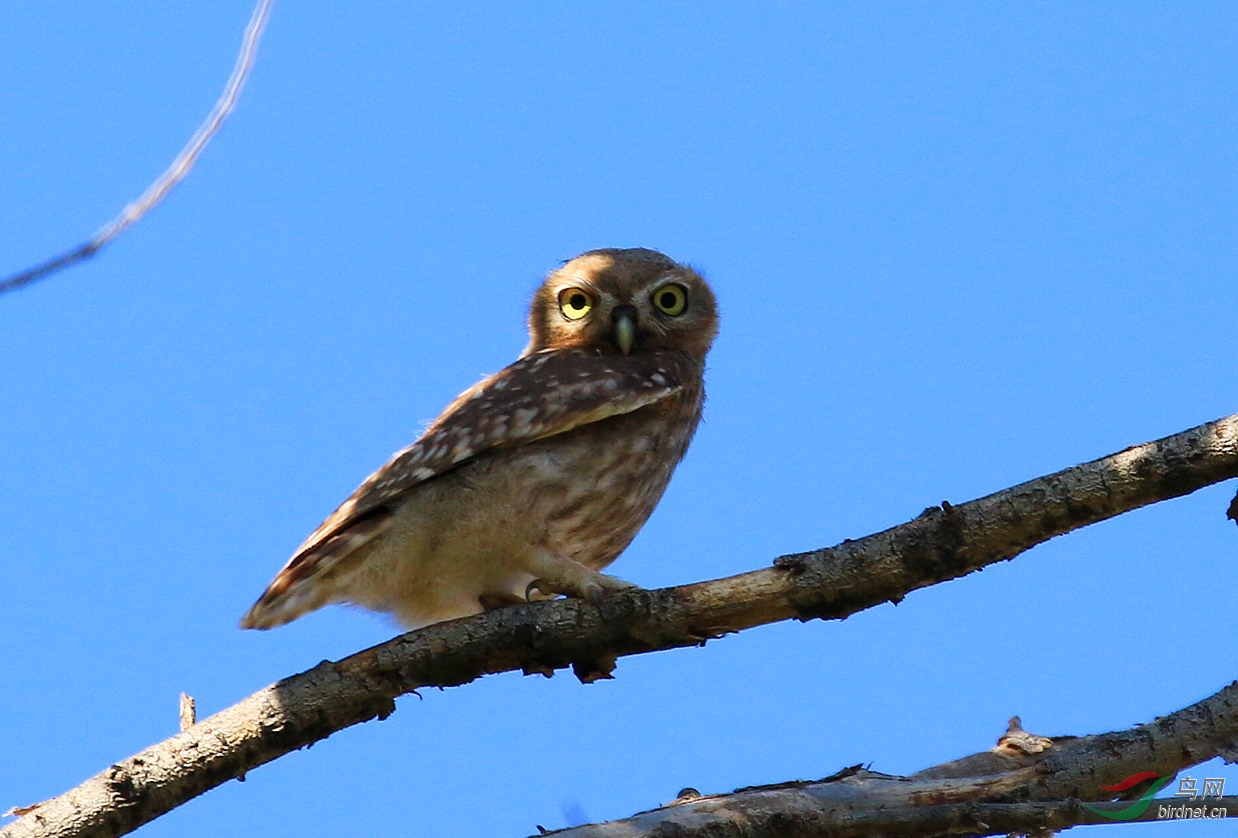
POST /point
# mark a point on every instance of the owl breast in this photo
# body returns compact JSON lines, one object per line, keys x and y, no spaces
{"x":589,"y":491}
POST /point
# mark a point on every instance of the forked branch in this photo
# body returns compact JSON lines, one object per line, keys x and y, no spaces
{"x":1027,"y":785}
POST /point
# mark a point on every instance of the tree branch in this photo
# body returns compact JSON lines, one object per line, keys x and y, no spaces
{"x":173,"y":175}
{"x":943,"y":543}
{"x":1027,"y":784}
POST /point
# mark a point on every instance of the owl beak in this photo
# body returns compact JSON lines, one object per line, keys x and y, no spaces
{"x":623,"y":321}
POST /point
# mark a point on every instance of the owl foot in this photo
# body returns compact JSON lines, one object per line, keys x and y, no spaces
{"x":593,"y":590}
{"x":560,"y":575}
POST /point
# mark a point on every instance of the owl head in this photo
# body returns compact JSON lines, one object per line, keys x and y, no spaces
{"x":624,"y":302}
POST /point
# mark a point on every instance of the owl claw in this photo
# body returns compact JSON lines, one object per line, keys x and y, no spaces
{"x":604,"y":584}
{"x":592,"y":588}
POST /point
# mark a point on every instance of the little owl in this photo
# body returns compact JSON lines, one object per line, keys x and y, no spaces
{"x":539,"y":476}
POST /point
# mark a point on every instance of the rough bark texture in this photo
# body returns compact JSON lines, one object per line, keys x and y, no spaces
{"x":1024,"y":785}
{"x":795,"y":814}
{"x":943,"y":543}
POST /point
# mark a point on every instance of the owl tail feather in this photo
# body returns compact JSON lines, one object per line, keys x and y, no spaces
{"x":311,"y":578}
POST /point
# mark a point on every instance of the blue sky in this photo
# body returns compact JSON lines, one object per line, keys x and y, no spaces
{"x":955,"y":248}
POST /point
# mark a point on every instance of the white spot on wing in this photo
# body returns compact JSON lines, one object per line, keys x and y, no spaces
{"x":524,"y":417}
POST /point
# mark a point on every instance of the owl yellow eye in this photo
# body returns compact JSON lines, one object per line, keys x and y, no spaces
{"x":671,"y":299}
{"x":574,"y":303}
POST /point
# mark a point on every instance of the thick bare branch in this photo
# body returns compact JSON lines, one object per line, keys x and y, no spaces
{"x":173,"y":175}
{"x":796,"y":814}
{"x":1012,"y":788}
{"x":943,"y":543}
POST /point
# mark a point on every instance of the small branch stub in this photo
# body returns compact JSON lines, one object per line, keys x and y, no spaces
{"x":189,"y":712}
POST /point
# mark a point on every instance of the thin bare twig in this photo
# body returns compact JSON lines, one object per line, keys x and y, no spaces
{"x":174,"y":174}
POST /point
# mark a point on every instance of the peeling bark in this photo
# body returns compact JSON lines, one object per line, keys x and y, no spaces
{"x":1027,"y":784}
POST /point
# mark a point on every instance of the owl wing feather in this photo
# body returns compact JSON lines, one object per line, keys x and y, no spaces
{"x":512,"y":407}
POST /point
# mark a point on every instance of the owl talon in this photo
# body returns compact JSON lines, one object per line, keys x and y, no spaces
{"x":595,"y":592}
{"x":588,"y":585}
{"x":607,"y":584}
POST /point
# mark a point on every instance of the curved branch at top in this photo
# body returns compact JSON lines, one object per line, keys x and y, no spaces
{"x":943,"y":543}
{"x":173,"y":175}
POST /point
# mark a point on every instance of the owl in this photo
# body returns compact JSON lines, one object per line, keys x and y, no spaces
{"x":534,"y":480}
